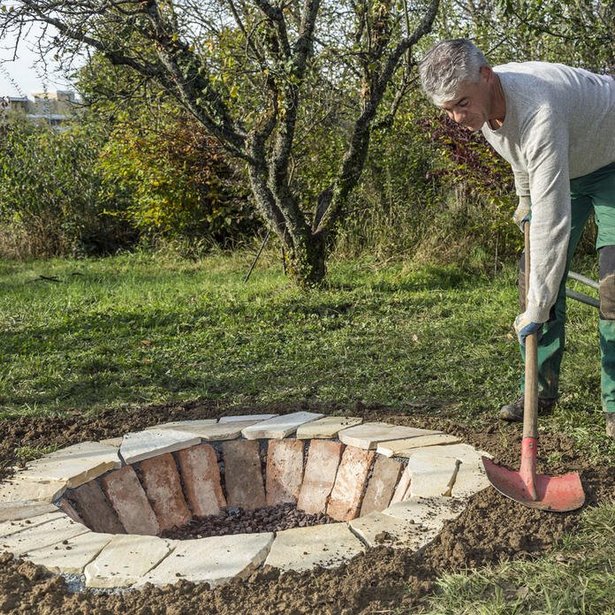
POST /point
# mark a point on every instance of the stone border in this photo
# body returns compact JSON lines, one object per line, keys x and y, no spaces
{"x":385,"y":484}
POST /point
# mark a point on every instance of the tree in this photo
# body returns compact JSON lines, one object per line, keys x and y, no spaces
{"x":244,"y":69}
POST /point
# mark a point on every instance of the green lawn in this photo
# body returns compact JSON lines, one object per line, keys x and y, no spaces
{"x":139,"y":329}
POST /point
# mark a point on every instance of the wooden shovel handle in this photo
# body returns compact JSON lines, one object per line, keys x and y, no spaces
{"x":530,"y":408}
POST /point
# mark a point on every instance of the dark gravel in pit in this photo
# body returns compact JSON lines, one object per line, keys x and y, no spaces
{"x":234,"y":520}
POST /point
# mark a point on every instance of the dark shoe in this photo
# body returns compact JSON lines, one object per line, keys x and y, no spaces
{"x":610,"y":424}
{"x":514,"y":411}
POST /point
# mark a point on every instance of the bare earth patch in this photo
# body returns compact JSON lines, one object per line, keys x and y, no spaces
{"x":491,"y":529}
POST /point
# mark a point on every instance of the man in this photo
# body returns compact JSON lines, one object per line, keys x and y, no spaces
{"x":555,"y":125}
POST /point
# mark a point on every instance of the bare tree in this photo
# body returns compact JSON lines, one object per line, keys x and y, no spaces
{"x":245,"y":69}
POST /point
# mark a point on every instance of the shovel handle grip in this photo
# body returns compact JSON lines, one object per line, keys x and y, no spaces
{"x":530,"y":407}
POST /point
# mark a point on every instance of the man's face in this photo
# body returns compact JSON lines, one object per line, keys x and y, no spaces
{"x":472,"y":105}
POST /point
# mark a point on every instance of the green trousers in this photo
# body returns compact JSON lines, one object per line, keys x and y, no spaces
{"x":593,"y":193}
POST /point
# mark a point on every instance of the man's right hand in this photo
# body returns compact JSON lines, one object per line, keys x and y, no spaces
{"x":522,"y":213}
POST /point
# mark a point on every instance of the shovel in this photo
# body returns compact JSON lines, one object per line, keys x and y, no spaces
{"x":553,"y":493}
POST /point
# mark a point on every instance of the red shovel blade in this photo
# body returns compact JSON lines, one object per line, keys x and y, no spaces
{"x":553,"y":493}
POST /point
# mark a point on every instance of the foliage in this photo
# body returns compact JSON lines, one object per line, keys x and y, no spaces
{"x":52,"y":194}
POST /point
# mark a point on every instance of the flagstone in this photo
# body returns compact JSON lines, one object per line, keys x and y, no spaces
{"x":17,"y":525}
{"x":246,"y":418}
{"x":243,"y":476}
{"x":216,"y":431}
{"x":402,"y":490}
{"x":70,"y":556}
{"x":183,"y":425}
{"x":162,"y":485}
{"x":138,"y":446}
{"x":369,"y":435}
{"x":116,"y":442}
{"x":347,"y":492}
{"x":279,"y":426}
{"x":126,"y":495}
{"x":405,"y":447}
{"x":24,"y":509}
{"x":378,"y":528}
{"x":201,"y":479}
{"x":125,"y":560}
{"x":19,"y":489}
{"x":319,"y":477}
{"x":40,"y":535}
{"x":326,"y":427}
{"x":215,"y":560}
{"x":95,"y":509}
{"x":284,"y":471}
{"x":305,"y":548}
{"x":73,"y":465}
{"x":381,"y":484}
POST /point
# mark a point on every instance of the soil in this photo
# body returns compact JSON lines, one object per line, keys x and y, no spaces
{"x":490,"y":530}
{"x":235,"y":520}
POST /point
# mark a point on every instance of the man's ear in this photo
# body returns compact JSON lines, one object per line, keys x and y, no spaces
{"x":486,"y":73}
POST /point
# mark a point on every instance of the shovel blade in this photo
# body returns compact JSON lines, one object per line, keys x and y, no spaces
{"x":553,"y":493}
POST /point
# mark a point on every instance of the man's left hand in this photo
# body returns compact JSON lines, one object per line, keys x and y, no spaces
{"x":524,"y":327}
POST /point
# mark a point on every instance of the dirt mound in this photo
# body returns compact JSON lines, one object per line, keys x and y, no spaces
{"x":490,"y":529}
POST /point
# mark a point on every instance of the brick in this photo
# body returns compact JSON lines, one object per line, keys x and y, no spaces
{"x":129,"y":501}
{"x":95,"y":510}
{"x":345,"y":501}
{"x":381,"y":485}
{"x":326,"y":427}
{"x":160,"y":479}
{"x":201,"y":478}
{"x":67,"y":508}
{"x":320,"y":471}
{"x":284,"y":471}
{"x":242,"y":474}
{"x":280,"y":426}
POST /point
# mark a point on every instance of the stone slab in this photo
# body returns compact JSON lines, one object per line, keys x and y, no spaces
{"x":402,"y":491}
{"x":381,"y":485}
{"x":347,"y":493}
{"x":201,"y":479}
{"x":19,"y":489}
{"x":40,"y":535}
{"x":73,"y":465}
{"x":432,"y":468}
{"x":125,"y":560}
{"x":215,"y":560}
{"x":369,"y":435}
{"x":279,"y":426}
{"x":319,"y":476}
{"x":95,"y":509}
{"x":181,"y":425}
{"x":404,"y":448}
{"x":17,"y":525}
{"x":24,"y":509}
{"x":305,"y":548}
{"x":142,"y":445}
{"x":427,"y":514}
{"x":215,"y":432}
{"x":284,"y":471}
{"x":243,"y":476}
{"x":162,"y":485}
{"x":246,"y":417}
{"x":126,"y":495}
{"x":116,"y":442}
{"x":326,"y":427}
{"x":72,"y":555}
{"x":378,"y":528}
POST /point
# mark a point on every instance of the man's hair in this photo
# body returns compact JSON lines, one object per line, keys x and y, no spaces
{"x":447,"y":65}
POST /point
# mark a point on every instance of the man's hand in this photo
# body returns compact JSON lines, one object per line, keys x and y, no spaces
{"x":522,"y":213}
{"x":524,"y":327}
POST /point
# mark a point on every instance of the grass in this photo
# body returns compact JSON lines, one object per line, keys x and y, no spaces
{"x":577,"y":578}
{"x":141,"y":329}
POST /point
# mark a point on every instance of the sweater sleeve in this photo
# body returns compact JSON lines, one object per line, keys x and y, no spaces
{"x":545,"y":146}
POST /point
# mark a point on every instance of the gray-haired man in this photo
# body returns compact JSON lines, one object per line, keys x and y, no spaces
{"x":556,"y":126}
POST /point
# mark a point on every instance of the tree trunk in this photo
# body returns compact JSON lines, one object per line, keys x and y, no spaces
{"x":305,"y":260}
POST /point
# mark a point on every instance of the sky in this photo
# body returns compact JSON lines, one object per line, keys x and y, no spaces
{"x":22,"y":77}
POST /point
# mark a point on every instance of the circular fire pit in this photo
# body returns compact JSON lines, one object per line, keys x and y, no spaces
{"x":211,"y":500}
